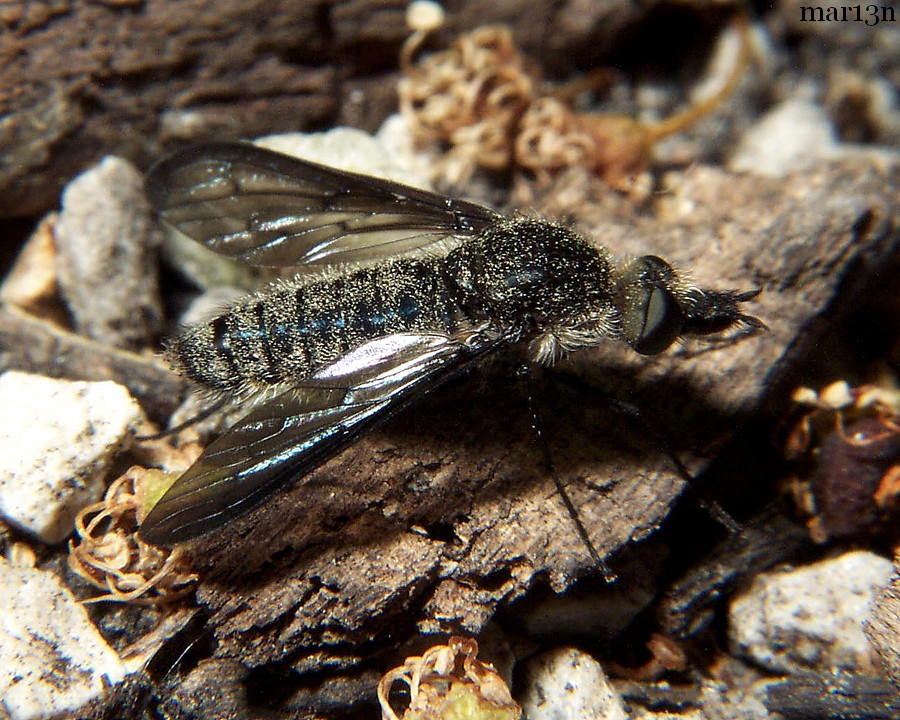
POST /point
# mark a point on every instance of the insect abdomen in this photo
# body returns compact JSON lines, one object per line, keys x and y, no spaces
{"x":295,"y":328}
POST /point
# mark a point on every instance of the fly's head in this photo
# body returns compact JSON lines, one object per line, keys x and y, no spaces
{"x":657,"y":307}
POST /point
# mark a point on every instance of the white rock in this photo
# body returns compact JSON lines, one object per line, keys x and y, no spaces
{"x":106,"y":241}
{"x":56,"y":439}
{"x":792,"y":136}
{"x":32,"y":278}
{"x":567,"y":683}
{"x":811,"y":617}
{"x":345,"y":148}
{"x":52,"y":659}
{"x":416,"y":164}
{"x":736,"y":698}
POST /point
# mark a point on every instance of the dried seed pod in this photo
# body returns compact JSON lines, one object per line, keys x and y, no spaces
{"x":485,"y":101}
{"x":111,"y":556}
{"x":847,"y":447}
{"x":449,"y":681}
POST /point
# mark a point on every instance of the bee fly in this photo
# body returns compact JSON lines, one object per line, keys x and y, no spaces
{"x":398,"y":289}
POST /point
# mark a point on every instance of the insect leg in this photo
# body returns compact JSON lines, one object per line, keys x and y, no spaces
{"x":538,"y":425}
{"x":198,"y":417}
{"x":657,"y":438}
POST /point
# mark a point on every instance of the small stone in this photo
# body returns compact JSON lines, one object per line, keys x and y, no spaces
{"x":805,"y":396}
{"x":31,"y":282}
{"x":106,"y":241}
{"x":795,"y":135}
{"x":52,"y":659}
{"x":347,"y":149}
{"x":810,"y":618}
{"x":567,"y":683}
{"x":415,"y":163}
{"x":56,"y":440}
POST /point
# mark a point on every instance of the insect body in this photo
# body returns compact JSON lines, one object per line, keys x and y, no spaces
{"x":398,"y":289}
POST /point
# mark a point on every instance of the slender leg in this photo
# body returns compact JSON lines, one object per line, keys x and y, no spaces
{"x":199,"y":417}
{"x":715,"y":510}
{"x":538,"y":425}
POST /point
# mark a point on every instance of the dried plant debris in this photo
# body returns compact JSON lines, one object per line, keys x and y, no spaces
{"x":485,"y":101}
{"x":666,"y":655}
{"x":110,"y":555}
{"x":449,"y":682}
{"x":846,"y":446}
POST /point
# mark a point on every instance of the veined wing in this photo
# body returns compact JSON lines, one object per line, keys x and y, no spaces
{"x":291,"y":434}
{"x":266,"y":208}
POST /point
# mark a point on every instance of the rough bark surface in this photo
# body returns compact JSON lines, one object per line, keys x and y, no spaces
{"x":82,"y":79}
{"x":883,"y":628}
{"x":448,"y":511}
{"x":38,"y":346}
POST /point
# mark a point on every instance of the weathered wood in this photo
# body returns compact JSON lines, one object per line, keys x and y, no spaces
{"x":835,"y":695}
{"x":38,"y":346}
{"x":447,"y":512}
{"x":81,"y":79}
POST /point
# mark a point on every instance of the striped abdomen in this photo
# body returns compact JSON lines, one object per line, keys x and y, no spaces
{"x":293,"y":329}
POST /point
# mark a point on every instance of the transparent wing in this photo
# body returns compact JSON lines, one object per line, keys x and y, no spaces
{"x":291,"y":434}
{"x":265,"y":208}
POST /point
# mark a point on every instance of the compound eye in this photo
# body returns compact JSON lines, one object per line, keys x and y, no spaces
{"x":662,"y":322}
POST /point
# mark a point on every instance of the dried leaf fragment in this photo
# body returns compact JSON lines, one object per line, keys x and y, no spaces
{"x":109,"y":554}
{"x":484,"y":100}
{"x":847,"y":446}
{"x":448,"y":682}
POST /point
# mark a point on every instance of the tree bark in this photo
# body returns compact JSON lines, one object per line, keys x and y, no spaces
{"x":80,"y":79}
{"x":448,"y":512}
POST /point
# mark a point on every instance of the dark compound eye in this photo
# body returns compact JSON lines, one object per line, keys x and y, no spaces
{"x":662,"y":322}
{"x":652,"y":316}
